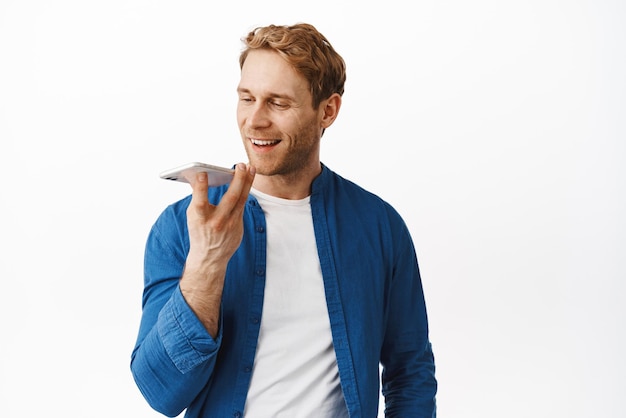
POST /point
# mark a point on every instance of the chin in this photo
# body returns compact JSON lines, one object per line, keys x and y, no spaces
{"x":262,"y":167}
{"x":263,"y":171}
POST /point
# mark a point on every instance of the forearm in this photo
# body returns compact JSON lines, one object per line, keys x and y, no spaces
{"x":409,"y":385}
{"x":202,"y":286}
{"x":175,"y":359}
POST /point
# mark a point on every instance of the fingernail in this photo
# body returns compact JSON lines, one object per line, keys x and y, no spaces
{"x":201,"y":177}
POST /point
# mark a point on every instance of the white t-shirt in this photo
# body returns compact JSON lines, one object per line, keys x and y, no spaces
{"x":295,"y":368}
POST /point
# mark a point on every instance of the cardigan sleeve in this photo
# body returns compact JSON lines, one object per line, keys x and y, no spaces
{"x":408,"y":378}
{"x":174,"y":355}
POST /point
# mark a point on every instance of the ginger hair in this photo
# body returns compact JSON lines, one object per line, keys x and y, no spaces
{"x":307,"y":51}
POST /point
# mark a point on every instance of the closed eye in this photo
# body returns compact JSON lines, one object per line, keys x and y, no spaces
{"x":279,"y":105}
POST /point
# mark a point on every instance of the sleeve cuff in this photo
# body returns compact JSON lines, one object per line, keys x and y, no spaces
{"x":184,"y":337}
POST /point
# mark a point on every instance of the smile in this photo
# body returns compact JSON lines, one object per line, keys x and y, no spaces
{"x":261,"y":142}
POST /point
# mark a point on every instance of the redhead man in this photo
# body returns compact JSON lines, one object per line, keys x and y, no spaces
{"x":283,"y":293}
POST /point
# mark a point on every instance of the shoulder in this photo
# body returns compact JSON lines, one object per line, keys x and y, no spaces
{"x":346,"y":192}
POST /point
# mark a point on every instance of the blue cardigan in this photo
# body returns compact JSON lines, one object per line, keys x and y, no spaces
{"x":374,"y":296}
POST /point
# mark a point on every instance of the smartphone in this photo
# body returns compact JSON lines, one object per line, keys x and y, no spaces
{"x":217,"y":176}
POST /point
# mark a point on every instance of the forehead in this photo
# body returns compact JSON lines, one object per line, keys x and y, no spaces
{"x":266,"y":72}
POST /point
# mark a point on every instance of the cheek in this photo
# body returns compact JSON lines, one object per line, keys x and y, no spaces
{"x":239,"y":116}
{"x":242,"y":113}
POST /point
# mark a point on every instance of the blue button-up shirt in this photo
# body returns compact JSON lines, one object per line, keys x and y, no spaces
{"x":373,"y":292}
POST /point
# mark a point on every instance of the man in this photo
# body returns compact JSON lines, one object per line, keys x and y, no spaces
{"x":281,"y":294}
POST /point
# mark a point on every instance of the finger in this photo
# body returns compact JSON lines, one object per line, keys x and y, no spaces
{"x":199,"y":196}
{"x":237,"y":194}
{"x":243,"y":197}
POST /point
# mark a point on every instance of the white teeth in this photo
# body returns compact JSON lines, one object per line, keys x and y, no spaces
{"x":259,"y":142}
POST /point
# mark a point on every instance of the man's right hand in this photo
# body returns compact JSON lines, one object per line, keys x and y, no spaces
{"x":215,"y":233}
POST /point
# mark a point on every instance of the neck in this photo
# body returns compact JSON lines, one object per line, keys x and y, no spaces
{"x":293,"y":186}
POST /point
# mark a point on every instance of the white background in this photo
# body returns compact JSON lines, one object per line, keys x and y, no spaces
{"x":496,"y":128}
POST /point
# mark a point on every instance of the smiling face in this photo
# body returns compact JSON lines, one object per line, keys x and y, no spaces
{"x":280,"y":129}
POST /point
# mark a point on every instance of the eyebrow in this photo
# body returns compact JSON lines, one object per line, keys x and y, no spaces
{"x":271,"y":95}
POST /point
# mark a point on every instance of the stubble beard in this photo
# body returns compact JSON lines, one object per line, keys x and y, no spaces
{"x":290,"y":162}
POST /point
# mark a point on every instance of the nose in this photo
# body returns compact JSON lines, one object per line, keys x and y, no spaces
{"x":258,"y":116}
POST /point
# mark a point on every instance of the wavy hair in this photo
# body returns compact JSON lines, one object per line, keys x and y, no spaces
{"x":307,"y":51}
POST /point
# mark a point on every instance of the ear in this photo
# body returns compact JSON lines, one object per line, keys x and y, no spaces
{"x":330,"y":110}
